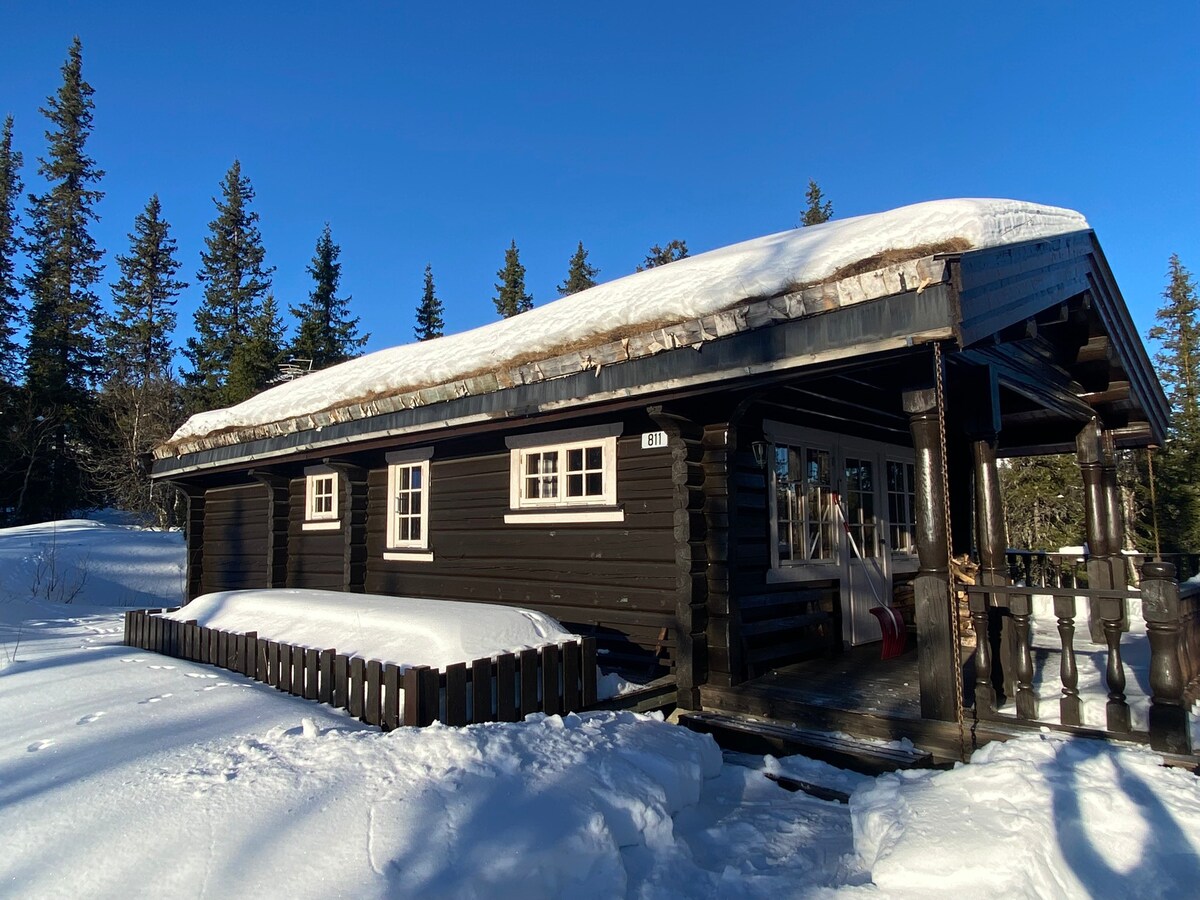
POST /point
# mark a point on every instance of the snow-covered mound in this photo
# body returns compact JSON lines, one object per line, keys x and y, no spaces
{"x":87,"y":563}
{"x":698,"y":286}
{"x":404,"y":630}
{"x":1036,"y":817}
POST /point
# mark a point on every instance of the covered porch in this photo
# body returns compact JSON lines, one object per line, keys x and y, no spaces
{"x":1044,"y":359}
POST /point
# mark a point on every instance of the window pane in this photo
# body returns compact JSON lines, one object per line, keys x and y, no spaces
{"x":595,"y":484}
{"x":595,"y":457}
{"x":574,"y":485}
{"x":575,"y":459}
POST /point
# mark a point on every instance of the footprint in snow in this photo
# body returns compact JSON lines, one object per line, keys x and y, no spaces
{"x":201,"y":675}
{"x":155,"y":699}
{"x":89,"y":719}
{"x":130,"y":659}
{"x":160,"y":667}
{"x":39,"y":745}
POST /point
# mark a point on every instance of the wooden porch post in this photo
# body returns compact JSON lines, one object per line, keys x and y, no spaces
{"x":1113,"y":520}
{"x":990,"y":538}
{"x":1162,"y":610}
{"x":931,"y":588}
{"x":1095,"y":504}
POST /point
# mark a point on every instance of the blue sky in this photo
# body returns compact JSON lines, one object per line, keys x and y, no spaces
{"x":432,"y":133}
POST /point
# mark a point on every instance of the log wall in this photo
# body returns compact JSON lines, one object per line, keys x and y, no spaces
{"x":236,"y":539}
{"x":316,"y":559}
{"x":614,"y":580}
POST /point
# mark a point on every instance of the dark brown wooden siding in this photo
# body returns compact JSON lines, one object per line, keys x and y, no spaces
{"x":779,"y":624}
{"x":316,"y":559}
{"x":235,"y":539}
{"x":616,"y":580}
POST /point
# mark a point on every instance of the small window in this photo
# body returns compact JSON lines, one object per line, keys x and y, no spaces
{"x":902,"y":503}
{"x":321,"y":498}
{"x":408,"y":506}
{"x":571,"y":480}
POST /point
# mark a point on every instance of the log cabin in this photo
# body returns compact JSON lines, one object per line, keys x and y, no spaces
{"x":723,"y":467}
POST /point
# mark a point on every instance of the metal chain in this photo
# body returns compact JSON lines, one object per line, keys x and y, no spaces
{"x":955,"y":630}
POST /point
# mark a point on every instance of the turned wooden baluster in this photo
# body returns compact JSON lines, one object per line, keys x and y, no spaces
{"x":1064,"y":609}
{"x":1118,"y":709}
{"x":985,"y":694}
{"x":1021,"y":607}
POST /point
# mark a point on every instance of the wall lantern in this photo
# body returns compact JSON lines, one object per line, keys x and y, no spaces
{"x":760,"y":453}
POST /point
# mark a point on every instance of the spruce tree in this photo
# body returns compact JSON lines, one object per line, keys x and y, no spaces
{"x":235,"y":285}
{"x":511,"y":298}
{"x":1178,"y":360}
{"x":580,"y":275}
{"x":139,"y":404}
{"x":326,"y":333}
{"x":660,"y":256}
{"x":819,"y":209}
{"x":137,"y":339}
{"x":256,"y":358}
{"x":64,"y":267}
{"x":10,"y":243}
{"x":1043,"y":502}
{"x":429,"y":311}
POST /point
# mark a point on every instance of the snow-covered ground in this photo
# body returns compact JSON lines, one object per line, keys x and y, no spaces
{"x":127,"y":774}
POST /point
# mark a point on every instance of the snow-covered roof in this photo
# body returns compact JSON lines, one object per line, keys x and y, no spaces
{"x":688,"y":289}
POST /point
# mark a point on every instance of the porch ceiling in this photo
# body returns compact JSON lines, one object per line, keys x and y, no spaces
{"x":1049,"y":319}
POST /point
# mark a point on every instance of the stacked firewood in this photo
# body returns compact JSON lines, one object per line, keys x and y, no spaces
{"x":965,"y":572}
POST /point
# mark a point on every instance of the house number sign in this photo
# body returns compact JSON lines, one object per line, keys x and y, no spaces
{"x":652,"y":440}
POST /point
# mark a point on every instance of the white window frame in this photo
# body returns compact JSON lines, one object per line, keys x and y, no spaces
{"x":903,"y":559}
{"x":777,"y":433}
{"x":325,"y":519}
{"x":561,"y":508}
{"x":408,"y":549}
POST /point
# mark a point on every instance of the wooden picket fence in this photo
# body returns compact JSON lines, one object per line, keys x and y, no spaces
{"x":554,"y":679}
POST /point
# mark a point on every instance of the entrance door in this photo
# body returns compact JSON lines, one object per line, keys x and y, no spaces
{"x":868,"y":578}
{"x":841,"y":508}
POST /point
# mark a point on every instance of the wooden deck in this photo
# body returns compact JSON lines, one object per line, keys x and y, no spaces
{"x":858,"y":694}
{"x":855,"y":692}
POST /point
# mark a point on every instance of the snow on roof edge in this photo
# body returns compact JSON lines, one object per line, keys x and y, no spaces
{"x":700,"y":285}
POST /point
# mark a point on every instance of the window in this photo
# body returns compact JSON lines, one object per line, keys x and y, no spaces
{"x":902,"y":503}
{"x":804,"y":504}
{"x":567,"y":476}
{"x":859,"y":510}
{"x":320,"y":498}
{"x":408,"y":506}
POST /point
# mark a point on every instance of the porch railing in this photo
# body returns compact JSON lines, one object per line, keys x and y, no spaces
{"x":1171,"y":613}
{"x":1043,"y":568}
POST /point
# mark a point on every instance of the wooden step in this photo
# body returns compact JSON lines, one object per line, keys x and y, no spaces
{"x":741,"y":733}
